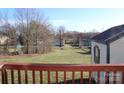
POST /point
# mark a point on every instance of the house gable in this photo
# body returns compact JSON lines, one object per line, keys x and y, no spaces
{"x":110,"y":35}
{"x":116,"y":37}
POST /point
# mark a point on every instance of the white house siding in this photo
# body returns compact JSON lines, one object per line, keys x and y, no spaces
{"x":3,"y":39}
{"x":117,"y":55}
{"x":102,"y":48}
{"x":84,"y":43}
{"x":117,"y":51}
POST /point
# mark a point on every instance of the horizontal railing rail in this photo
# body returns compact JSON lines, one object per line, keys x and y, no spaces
{"x":59,"y":73}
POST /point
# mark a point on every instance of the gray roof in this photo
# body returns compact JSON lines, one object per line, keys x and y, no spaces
{"x":110,"y":35}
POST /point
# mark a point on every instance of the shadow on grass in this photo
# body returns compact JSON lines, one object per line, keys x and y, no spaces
{"x":86,"y":53}
{"x":78,"y":81}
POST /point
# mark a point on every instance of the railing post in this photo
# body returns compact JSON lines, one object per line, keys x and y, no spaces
{"x":90,"y":77}
{"x":41,"y":77}
{"x":107,"y":78}
{"x":26,"y":77}
{"x":4,"y":76}
{"x":123,"y":77}
{"x":81,"y":73}
{"x":2,"y":72}
{"x":19,"y":77}
{"x":64,"y":77}
{"x":48,"y":77}
{"x":114,"y":77}
{"x":98,"y":77}
{"x":73,"y":76}
{"x":33,"y":76}
{"x":57,"y":77}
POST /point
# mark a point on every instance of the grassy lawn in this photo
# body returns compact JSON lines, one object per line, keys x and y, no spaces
{"x":68,"y":55}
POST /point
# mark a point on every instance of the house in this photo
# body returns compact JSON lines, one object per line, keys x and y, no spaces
{"x":85,"y":43}
{"x":3,"y":42}
{"x":58,"y":43}
{"x":7,"y":45}
{"x":108,"y":48}
{"x":3,"y":38}
{"x":85,"y":39}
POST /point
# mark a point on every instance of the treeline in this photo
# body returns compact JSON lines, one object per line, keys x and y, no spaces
{"x":30,"y":29}
{"x":74,"y":37}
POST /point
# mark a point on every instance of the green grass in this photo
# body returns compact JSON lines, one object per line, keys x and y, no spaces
{"x":68,"y":55}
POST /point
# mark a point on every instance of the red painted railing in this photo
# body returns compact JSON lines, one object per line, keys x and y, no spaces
{"x":51,"y":73}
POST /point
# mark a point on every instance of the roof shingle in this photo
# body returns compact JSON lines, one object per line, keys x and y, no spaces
{"x":109,"y":34}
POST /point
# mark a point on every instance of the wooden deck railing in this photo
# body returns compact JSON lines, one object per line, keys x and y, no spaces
{"x":17,"y":73}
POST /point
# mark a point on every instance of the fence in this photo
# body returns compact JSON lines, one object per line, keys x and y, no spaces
{"x":17,"y":73}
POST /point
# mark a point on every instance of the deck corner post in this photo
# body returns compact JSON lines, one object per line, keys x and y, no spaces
{"x":123,"y":77}
{"x":4,"y":76}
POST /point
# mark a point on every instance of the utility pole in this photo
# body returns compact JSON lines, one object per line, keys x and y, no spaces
{"x":60,"y":37}
{"x":61,"y":32}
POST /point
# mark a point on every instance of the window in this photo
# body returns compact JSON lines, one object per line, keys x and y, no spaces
{"x":96,"y":55}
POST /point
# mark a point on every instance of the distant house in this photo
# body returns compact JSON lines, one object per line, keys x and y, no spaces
{"x":7,"y":45}
{"x":108,"y":46}
{"x":57,"y":42}
{"x":85,"y":39}
{"x":85,"y":43}
{"x":3,"y":42}
{"x":69,"y":41}
{"x":3,"y":39}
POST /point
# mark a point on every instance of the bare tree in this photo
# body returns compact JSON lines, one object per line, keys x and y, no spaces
{"x":9,"y":29}
{"x":25,"y":19}
{"x":34,"y":30}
